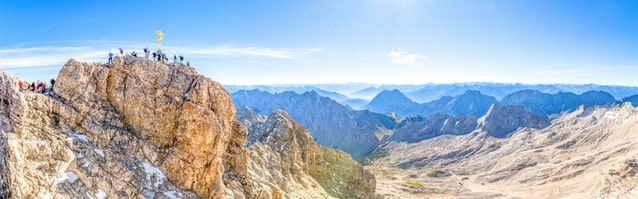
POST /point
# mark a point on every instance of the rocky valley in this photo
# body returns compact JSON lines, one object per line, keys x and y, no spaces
{"x":588,"y":153}
{"x":528,"y":145}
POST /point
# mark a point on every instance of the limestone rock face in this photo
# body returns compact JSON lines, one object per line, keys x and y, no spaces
{"x":248,"y":117}
{"x":132,"y":129}
{"x":303,"y":162}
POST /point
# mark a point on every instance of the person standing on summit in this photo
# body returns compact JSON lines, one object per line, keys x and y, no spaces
{"x":121,"y":52}
{"x":110,"y":57}
{"x":146,"y":51}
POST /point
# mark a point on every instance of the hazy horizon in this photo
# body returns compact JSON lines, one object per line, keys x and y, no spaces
{"x":377,"y":42}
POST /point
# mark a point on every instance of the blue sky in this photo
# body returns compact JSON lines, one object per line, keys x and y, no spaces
{"x":337,"y":41}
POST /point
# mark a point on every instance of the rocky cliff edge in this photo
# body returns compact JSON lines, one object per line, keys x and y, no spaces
{"x":134,"y":128}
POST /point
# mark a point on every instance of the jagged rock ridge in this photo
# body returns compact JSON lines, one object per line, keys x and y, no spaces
{"x":300,"y":155}
{"x":247,"y":116}
{"x":134,"y":128}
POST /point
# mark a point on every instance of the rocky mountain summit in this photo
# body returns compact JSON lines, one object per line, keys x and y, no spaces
{"x":143,"y":129}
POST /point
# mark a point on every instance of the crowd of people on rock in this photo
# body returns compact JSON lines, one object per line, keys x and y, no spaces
{"x":157,"y":55}
{"x":45,"y":87}
{"x":37,"y":86}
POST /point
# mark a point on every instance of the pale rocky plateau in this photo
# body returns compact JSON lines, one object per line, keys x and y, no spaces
{"x":588,"y":153}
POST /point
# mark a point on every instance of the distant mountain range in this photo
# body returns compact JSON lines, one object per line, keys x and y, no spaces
{"x":428,"y":92}
{"x":393,"y":116}
{"x":342,"y":99}
{"x":498,"y":122}
{"x":547,"y":104}
{"x":475,"y":103}
{"x":330,"y":123}
{"x":469,"y":103}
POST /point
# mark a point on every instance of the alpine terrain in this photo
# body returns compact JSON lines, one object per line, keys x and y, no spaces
{"x":588,"y":153}
{"x":144,"y":129}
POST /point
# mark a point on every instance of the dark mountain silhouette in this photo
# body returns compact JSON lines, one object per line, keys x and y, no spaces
{"x":392,"y":102}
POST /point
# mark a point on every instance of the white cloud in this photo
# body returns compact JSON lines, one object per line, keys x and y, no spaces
{"x":258,"y":62}
{"x":58,"y":55}
{"x":46,"y":56}
{"x":276,"y":53}
{"x":403,"y":57}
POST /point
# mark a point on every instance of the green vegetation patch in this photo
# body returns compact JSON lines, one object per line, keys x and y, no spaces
{"x":413,"y":184}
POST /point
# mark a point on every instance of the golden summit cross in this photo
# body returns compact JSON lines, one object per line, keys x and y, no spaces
{"x":159,"y":38}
